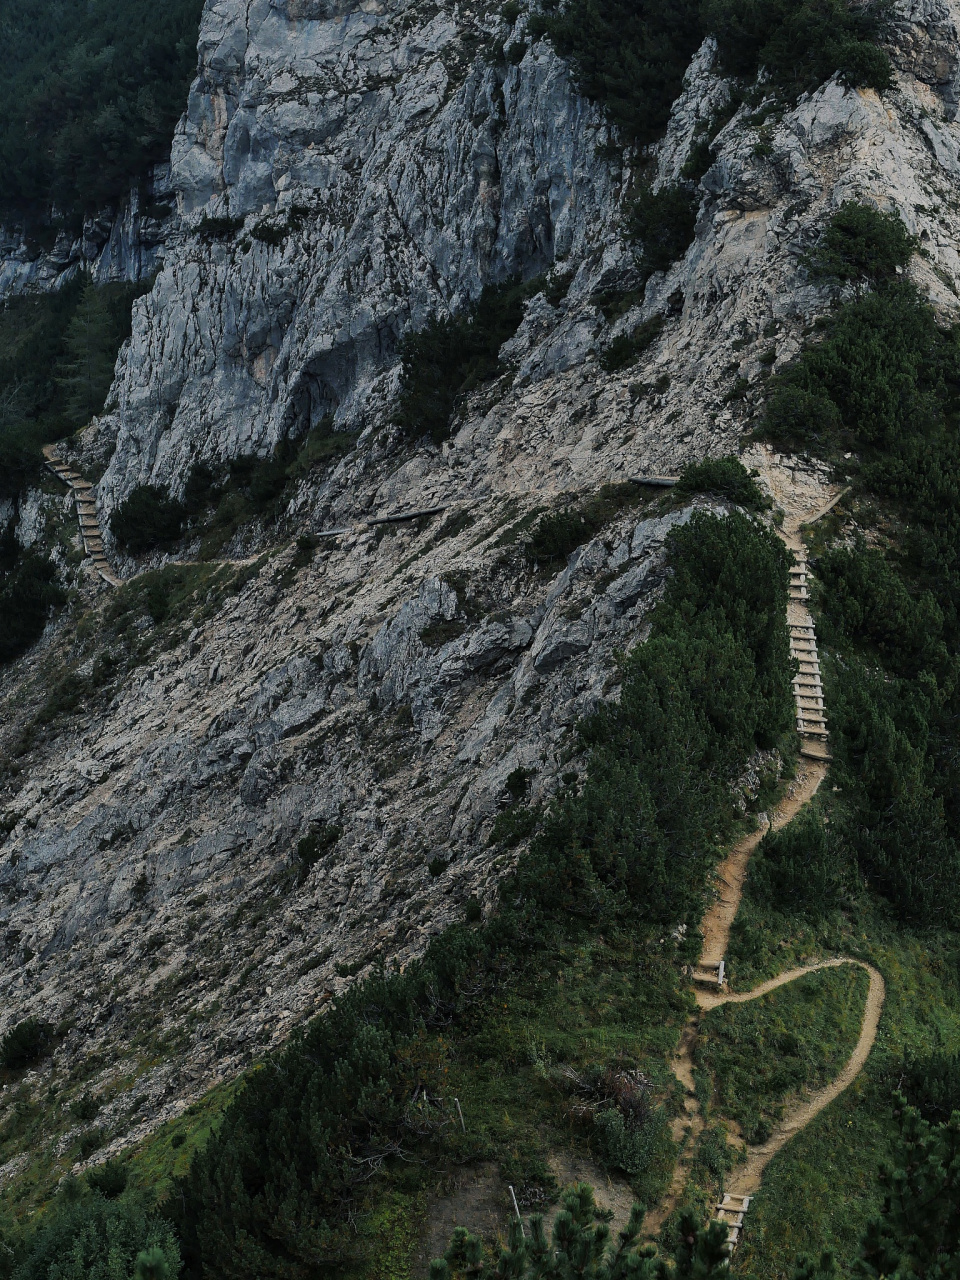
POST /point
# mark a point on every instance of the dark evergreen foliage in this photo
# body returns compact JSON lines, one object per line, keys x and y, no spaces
{"x":580,"y":1245}
{"x":931,"y":1083}
{"x":662,"y":223}
{"x":26,"y":1044}
{"x":87,"y":1237}
{"x":451,"y":356}
{"x":97,"y":330}
{"x":630,"y":56}
{"x":57,"y":355}
{"x":91,"y":92}
{"x":800,"y":45}
{"x":862,"y":244}
{"x":627,"y":348}
{"x":726,"y":478}
{"x":918,"y":1231}
{"x":797,"y":869}
{"x":28,"y":592}
{"x":147,"y":519}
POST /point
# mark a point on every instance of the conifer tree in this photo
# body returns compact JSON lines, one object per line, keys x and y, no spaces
{"x":91,"y":342}
{"x":580,"y":1248}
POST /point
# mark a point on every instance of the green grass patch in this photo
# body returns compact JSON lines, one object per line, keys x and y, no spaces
{"x":823,"y":1188}
{"x":167,"y":1152}
{"x":762,"y":1055}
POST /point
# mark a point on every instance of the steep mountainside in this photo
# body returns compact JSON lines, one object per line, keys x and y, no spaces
{"x":245,"y":778}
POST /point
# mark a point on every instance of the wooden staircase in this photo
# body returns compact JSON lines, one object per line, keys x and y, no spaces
{"x":86,"y":512}
{"x":807,"y":686}
{"x":731,"y":1211}
{"x":709,"y":974}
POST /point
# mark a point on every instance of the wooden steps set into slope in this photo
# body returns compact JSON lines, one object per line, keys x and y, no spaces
{"x":812,"y":728}
{"x":807,"y":686}
{"x":731,"y":1210}
{"x":86,"y":512}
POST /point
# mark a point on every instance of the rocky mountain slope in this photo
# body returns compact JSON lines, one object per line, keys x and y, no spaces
{"x":300,"y":775}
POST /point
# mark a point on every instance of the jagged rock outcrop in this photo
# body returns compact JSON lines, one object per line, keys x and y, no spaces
{"x":114,"y":246}
{"x":342,"y":171}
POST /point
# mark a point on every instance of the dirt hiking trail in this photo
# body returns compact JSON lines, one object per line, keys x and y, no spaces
{"x":802,"y":498}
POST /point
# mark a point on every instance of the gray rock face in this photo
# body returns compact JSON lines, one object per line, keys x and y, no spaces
{"x":127,"y":246}
{"x":384,"y":162}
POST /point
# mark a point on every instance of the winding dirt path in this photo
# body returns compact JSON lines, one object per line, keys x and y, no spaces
{"x":745,"y":1180}
{"x":799,"y":510}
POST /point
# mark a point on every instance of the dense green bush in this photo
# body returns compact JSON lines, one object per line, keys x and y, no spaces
{"x":28,"y":592}
{"x":629,"y":56}
{"x":97,"y":329}
{"x":862,"y":244}
{"x":451,"y":356}
{"x":726,"y":477}
{"x":57,"y":355}
{"x":931,"y":1083}
{"x":581,"y":1246}
{"x":87,"y":1237}
{"x":26,"y":1044}
{"x":91,"y":93}
{"x":268,"y":1195}
{"x":797,"y":868}
{"x":662,"y":223}
{"x":557,"y":533}
{"x":880,"y":377}
{"x":147,"y":519}
{"x":627,"y":348}
{"x":800,"y":45}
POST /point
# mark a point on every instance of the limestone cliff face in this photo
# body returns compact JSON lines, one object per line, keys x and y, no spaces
{"x":381,"y":162}
{"x":341,"y":172}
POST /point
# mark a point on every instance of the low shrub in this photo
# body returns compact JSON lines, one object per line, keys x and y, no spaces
{"x":29,"y":591}
{"x":627,"y":348}
{"x":26,"y":1044}
{"x":862,"y":244}
{"x":801,"y":45}
{"x":663,"y":224}
{"x":217,"y":227}
{"x":931,"y":1083}
{"x":451,"y":356}
{"x":109,"y":1179}
{"x":146,"y":520}
{"x":629,"y":56}
{"x":311,"y":848}
{"x":556,"y":534}
{"x":639,"y":1147}
{"x":725,"y":477}
{"x":798,"y":869}
{"x":90,"y":1237}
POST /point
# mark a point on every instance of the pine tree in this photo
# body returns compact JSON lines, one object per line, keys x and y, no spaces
{"x":151,"y":1265}
{"x":92,"y":340}
{"x":918,"y":1231}
{"x":580,"y":1248}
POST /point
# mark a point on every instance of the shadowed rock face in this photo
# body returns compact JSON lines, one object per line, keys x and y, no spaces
{"x":342,"y":171}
